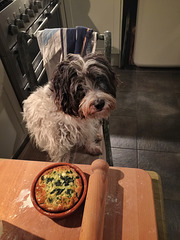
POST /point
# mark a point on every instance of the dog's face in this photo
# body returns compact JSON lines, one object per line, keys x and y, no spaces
{"x":84,"y":87}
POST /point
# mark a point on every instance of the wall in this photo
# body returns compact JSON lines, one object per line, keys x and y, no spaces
{"x":99,"y":15}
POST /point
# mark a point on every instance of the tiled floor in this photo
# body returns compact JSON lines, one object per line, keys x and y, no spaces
{"x":145,"y":132}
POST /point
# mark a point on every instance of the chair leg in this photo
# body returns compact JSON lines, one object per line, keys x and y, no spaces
{"x":107,"y":45}
{"x":107,"y":142}
{"x":107,"y":53}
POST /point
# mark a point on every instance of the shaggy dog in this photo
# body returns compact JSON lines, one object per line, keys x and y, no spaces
{"x":66,"y":111}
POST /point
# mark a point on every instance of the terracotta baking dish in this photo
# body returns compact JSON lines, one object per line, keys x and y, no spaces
{"x":69,"y":211}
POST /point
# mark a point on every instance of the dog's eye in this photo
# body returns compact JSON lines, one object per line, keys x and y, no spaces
{"x":101,"y":82}
{"x":79,"y":88}
{"x":99,"y":78}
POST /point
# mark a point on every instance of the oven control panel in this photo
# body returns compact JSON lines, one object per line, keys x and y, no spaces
{"x":20,"y":15}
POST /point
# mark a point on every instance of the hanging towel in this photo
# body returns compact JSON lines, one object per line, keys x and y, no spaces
{"x":56,"y":43}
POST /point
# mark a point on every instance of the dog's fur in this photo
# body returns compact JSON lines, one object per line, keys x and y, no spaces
{"x":66,"y":111}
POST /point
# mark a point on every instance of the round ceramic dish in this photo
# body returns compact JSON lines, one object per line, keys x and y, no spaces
{"x":69,"y":211}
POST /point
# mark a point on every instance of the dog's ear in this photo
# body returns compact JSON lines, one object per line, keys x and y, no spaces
{"x":65,"y":85}
{"x":100,"y":71}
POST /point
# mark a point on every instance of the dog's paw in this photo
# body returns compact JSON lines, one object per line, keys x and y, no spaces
{"x":94,"y":150}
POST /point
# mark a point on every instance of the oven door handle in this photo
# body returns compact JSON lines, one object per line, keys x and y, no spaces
{"x":41,"y":26}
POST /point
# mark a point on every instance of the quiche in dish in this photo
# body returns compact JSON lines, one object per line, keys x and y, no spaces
{"x":58,"y":189}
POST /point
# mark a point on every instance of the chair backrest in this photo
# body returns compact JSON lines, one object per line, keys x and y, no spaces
{"x":34,"y":76}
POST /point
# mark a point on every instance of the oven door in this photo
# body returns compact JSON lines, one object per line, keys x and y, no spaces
{"x":27,"y":51}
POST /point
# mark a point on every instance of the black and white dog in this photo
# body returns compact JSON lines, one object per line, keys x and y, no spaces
{"x":66,"y":111}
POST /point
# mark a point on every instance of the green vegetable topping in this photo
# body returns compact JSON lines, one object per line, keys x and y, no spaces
{"x":53,"y":191}
{"x":58,"y":183}
{"x":59,"y":191}
{"x":50,"y":200}
{"x":69,"y":191}
{"x":49,"y":180}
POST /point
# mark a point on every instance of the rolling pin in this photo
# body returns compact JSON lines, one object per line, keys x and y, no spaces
{"x":94,"y":210}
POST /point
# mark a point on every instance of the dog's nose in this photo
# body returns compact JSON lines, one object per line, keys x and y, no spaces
{"x":99,"y":104}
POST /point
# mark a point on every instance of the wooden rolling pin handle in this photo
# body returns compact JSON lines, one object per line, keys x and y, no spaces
{"x":100,"y":165}
{"x":94,"y":210}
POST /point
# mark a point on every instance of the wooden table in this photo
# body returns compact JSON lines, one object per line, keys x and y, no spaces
{"x":130,"y":212}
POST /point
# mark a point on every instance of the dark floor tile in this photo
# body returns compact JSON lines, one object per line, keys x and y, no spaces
{"x":167,"y":165}
{"x":124,"y":158}
{"x":126,"y":104}
{"x":154,"y":81}
{"x":123,"y":131}
{"x":177,"y":95}
{"x":176,"y":81}
{"x":158,"y":104}
{"x":30,"y":152}
{"x":172,"y":212}
{"x":126,"y":81}
{"x":82,"y":158}
{"x":158,"y":133}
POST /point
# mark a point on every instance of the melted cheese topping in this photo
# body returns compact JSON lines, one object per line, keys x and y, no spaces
{"x":58,"y":189}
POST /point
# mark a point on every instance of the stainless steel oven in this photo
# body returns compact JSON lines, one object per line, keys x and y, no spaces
{"x":27,"y":16}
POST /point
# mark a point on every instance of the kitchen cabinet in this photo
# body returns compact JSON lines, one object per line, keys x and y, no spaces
{"x":12,"y":129}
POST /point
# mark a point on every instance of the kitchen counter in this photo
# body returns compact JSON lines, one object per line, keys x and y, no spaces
{"x":129,"y":213}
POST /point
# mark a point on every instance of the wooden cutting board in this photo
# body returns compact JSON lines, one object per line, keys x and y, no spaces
{"x":129,"y":212}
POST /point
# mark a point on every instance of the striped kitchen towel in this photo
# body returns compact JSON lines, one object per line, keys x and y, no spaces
{"x":56,"y":43}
